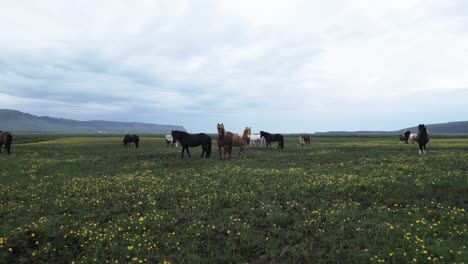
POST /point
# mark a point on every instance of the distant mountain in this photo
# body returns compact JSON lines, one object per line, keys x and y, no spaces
{"x":18,"y":122}
{"x":451,"y":128}
{"x":460,"y":127}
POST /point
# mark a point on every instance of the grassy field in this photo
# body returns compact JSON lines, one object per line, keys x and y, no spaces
{"x":341,"y":200}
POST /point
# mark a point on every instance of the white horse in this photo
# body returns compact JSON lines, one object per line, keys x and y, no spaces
{"x":412,"y":138}
{"x":258,"y":138}
{"x":169,"y":141}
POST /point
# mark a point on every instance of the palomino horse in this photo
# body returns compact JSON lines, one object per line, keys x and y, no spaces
{"x":404,"y":137}
{"x":192,"y":140}
{"x":169,"y":141}
{"x":422,"y":138}
{"x":127,"y":141}
{"x":241,"y":141}
{"x":272,"y":138}
{"x":5,"y":138}
{"x":304,"y":139}
{"x":256,"y":138}
{"x":224,"y":141}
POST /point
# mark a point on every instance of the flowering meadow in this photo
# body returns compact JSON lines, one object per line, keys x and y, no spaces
{"x":340,"y":200}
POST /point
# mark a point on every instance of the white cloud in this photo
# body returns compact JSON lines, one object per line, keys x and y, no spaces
{"x":238,"y":60}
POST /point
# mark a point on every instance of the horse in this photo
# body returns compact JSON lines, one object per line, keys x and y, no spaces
{"x":224,"y":141}
{"x":272,"y":138}
{"x":404,"y":137}
{"x":422,"y":138}
{"x":256,"y":137}
{"x":127,"y":141}
{"x":192,"y":140}
{"x":240,"y":141}
{"x":304,"y":139}
{"x":169,"y":141}
{"x":6,"y":138}
{"x":412,"y":137}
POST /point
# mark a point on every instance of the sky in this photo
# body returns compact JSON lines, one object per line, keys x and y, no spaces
{"x":279,"y":66}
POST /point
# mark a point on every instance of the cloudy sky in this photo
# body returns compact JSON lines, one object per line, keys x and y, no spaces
{"x":279,"y":66}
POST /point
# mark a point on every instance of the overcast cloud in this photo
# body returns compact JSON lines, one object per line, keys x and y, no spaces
{"x":280,"y":66}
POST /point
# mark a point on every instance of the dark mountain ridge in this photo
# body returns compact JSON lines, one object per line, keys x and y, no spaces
{"x":19,"y":122}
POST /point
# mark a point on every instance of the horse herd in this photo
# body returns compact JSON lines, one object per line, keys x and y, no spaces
{"x":227,"y":140}
{"x":422,"y":137}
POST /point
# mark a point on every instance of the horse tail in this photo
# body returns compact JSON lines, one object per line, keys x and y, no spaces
{"x":208,"y":149}
{"x":8,"y":142}
{"x":282,"y":142}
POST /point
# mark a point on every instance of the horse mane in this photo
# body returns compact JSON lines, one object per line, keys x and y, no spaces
{"x":246,"y":133}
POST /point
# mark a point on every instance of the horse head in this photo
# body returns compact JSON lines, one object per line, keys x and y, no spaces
{"x":422,"y":128}
{"x":247,"y":133}
{"x":221,"y":130}
{"x":407,"y":133}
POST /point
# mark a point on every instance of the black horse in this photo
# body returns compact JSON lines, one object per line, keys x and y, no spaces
{"x":5,"y":138}
{"x":422,"y":138}
{"x":192,"y":140}
{"x":128,"y":139}
{"x":272,"y":138}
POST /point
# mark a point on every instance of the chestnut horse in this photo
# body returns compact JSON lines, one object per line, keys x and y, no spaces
{"x":241,"y":141}
{"x":224,"y":141}
{"x":5,"y":138}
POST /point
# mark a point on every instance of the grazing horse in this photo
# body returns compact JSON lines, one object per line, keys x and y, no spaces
{"x":6,"y":138}
{"x":240,"y":141}
{"x":404,"y":137}
{"x":256,"y":137}
{"x":272,"y":138}
{"x":412,"y":137}
{"x":169,"y":141}
{"x":224,"y":141}
{"x":192,"y":140}
{"x":127,"y":141}
{"x":422,"y":138}
{"x":304,"y":139}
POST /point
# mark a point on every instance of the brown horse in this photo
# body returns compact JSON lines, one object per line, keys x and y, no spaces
{"x":224,"y":141}
{"x":240,"y":141}
{"x":304,"y":139}
{"x":5,"y":138}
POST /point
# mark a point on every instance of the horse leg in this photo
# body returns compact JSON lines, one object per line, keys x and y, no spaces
{"x":183,"y":149}
{"x":203,"y":151}
{"x":420,"y":149}
{"x":424,"y":148}
{"x":219,"y":148}
{"x":188,"y":152}
{"x":240,"y":149}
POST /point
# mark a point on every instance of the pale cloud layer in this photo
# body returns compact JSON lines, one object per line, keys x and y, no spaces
{"x":286,"y":66}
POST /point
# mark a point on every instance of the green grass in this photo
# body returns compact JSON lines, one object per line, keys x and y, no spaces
{"x":341,"y":200}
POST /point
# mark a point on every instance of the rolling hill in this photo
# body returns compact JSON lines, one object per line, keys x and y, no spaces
{"x":450,"y":128}
{"x":19,"y":122}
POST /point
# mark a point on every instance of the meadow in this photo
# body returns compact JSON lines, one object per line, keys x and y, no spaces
{"x":87,"y":199}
